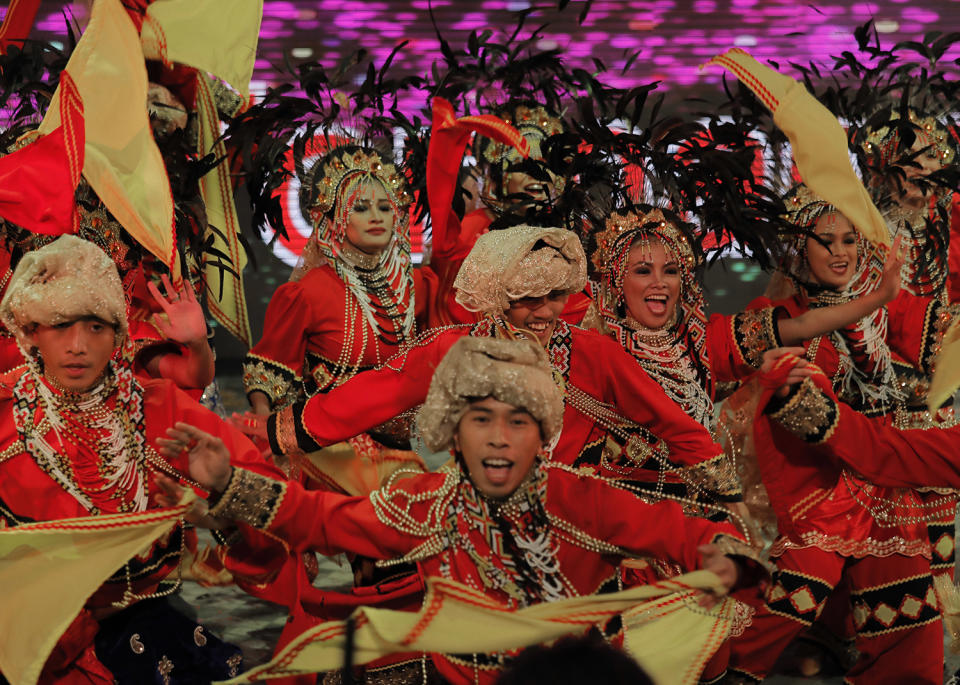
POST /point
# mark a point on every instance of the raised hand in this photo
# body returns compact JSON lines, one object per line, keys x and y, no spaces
{"x":183,"y":320}
{"x":209,"y":459}
{"x":889,"y":285}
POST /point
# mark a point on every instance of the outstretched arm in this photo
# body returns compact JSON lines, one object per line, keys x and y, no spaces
{"x":365,"y":401}
{"x":823,"y":320}
{"x":807,"y":407}
{"x":326,"y":522}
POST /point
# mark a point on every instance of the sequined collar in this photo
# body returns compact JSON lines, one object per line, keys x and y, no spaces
{"x":362,"y":260}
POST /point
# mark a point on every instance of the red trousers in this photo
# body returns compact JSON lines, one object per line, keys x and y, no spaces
{"x":898,"y":627}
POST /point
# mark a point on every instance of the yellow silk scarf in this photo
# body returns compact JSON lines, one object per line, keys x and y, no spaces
{"x":666,"y":631}
{"x":818,"y":140}
{"x":49,"y":569}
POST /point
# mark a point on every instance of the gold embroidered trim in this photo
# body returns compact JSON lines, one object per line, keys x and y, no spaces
{"x":935,"y":325}
{"x":717,"y":475}
{"x":250,"y":498}
{"x":754,"y":332}
{"x":287,"y":431}
{"x":868,"y":547}
{"x":277,"y":382}
{"x":810,"y":414}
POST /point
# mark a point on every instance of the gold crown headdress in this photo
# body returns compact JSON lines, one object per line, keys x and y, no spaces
{"x":928,"y":129}
{"x":804,"y":207}
{"x":534,"y":122}
{"x":331,"y":180}
{"x":622,"y":229}
{"x":328,"y":175}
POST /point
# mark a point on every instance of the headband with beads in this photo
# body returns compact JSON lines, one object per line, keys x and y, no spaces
{"x":534,"y":123}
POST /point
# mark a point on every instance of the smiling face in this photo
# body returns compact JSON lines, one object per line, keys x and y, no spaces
{"x":518,"y":182}
{"x":833,"y":261}
{"x":75,"y":354}
{"x":538,"y":314}
{"x":651,"y":284}
{"x":371,"y":220}
{"x":499,"y":443}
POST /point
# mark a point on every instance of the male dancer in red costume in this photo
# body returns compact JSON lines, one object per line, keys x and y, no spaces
{"x":76,"y":434}
{"x":518,"y":527}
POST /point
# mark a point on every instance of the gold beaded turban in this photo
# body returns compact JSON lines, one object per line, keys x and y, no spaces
{"x":68,"y":279}
{"x":513,"y":371}
{"x":518,"y":262}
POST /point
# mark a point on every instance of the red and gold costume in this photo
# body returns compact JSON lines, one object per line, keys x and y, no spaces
{"x":692,"y":357}
{"x":344,"y":311}
{"x":596,"y":371}
{"x":316,"y":336}
{"x":835,"y":524}
{"x":583,"y":526}
{"x":519,"y":133}
{"x":66,"y":455}
{"x":604,"y":388}
{"x":561,"y":533}
{"x":72,"y":480}
{"x":883,"y":453}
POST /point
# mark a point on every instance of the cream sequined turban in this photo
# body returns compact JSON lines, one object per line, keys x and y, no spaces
{"x":513,"y":371}
{"x":518,"y":262}
{"x":64,"y":281}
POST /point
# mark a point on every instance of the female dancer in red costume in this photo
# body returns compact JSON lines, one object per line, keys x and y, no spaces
{"x":348,"y":307}
{"x":833,"y":523}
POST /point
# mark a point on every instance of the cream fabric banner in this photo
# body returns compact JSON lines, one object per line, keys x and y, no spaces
{"x":49,"y":569}
{"x":226,"y":299}
{"x":122,"y":162}
{"x":667,"y":631}
{"x":210,"y":35}
{"x":819,"y":142}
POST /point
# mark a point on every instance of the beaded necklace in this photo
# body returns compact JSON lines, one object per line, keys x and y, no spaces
{"x":667,"y":359}
{"x":370,"y":292}
{"x":522,"y":557}
{"x":110,"y":467}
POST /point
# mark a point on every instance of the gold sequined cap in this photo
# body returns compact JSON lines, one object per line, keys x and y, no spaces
{"x":516,"y":372}
{"x":804,"y":206}
{"x":68,"y":279}
{"x":518,"y":262}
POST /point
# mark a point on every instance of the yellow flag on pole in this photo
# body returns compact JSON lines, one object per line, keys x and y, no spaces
{"x":210,"y":35}
{"x":122,"y":162}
